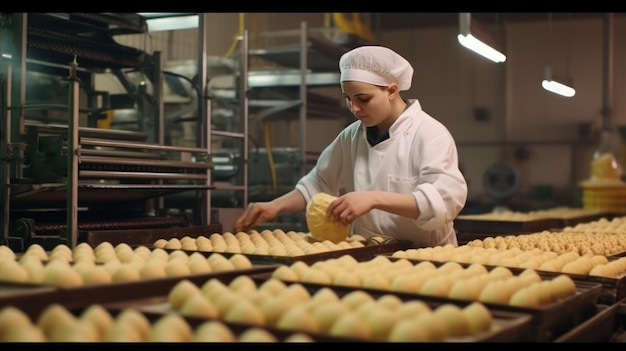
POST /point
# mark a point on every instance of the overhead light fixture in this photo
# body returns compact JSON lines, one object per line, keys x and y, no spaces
{"x":160,"y":21}
{"x":478,"y":38}
{"x":558,"y":85}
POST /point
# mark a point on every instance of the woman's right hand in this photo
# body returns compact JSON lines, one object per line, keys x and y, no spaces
{"x":255,"y":214}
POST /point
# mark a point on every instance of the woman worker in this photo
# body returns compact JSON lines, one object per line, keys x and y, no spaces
{"x":394,"y":170}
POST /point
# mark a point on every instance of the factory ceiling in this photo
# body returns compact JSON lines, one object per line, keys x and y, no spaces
{"x":416,"y":20}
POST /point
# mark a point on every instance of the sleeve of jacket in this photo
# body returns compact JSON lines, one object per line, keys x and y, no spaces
{"x":442,"y":189}
{"x":333,"y":170}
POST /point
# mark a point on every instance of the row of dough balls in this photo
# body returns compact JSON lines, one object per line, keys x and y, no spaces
{"x":268,"y":242}
{"x":354,"y":315}
{"x":556,"y":212}
{"x":615,"y":225}
{"x":96,"y":324}
{"x":139,"y":263}
{"x":569,"y":262}
{"x":596,"y":243}
{"x":450,"y":280}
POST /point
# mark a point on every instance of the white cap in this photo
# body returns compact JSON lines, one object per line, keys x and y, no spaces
{"x":376,"y":65}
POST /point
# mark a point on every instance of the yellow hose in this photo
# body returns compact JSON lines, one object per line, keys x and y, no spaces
{"x":354,"y":26}
{"x":242,"y":27}
{"x":106,"y":123}
{"x":270,"y":157}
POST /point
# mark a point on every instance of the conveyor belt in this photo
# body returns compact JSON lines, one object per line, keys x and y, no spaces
{"x":58,"y":37}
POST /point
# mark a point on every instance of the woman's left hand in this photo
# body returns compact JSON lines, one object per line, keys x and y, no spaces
{"x":348,"y":207}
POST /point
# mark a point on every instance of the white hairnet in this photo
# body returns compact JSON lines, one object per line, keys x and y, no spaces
{"x":376,"y":65}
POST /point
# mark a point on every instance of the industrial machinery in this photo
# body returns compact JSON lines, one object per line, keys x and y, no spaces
{"x":61,"y":174}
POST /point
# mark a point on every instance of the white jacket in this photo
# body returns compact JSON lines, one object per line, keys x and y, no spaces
{"x":420,"y":158}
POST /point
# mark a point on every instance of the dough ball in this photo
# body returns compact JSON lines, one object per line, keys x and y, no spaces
{"x":256,"y":335}
{"x":563,"y":286}
{"x":54,"y":316}
{"x":125,"y":273}
{"x":285,"y":273}
{"x":61,"y":274}
{"x":78,"y":331}
{"x":297,"y":292}
{"x":349,"y":325}
{"x":213,"y":331}
{"x":99,"y":317}
{"x":199,"y":306}
{"x":356,"y":298}
{"x":454,"y":319}
{"x":298,"y":318}
{"x":160,"y":243}
{"x":324,"y":295}
{"x":171,"y":327}
{"x":95,"y":274}
{"x":274,"y":307}
{"x":173,"y":244}
{"x":434,"y":325}
{"x":37,"y":251}
{"x":198,"y":264}
{"x":240,"y":261}
{"x":298,"y":337}
{"x":181,"y":292}
{"x":153,"y":269}
{"x":142,"y":252}
{"x":391,"y":302}
{"x":413,"y":308}
{"x":129,"y":325}
{"x":176,"y":267}
{"x":12,"y":271}
{"x":30,"y":333}
{"x":525,"y":297}
{"x":243,"y":285}
{"x":316,"y":277}
{"x":380,"y":321}
{"x":159,"y":254}
{"x":347,"y":278}
{"x":273,"y":285}
{"x":214,"y":288}
{"x":219,"y":262}
{"x":325,"y":314}
{"x":478,"y":316}
{"x":408,"y":330}
{"x":244,"y":311}
{"x":11,"y":316}
{"x":323,"y":227}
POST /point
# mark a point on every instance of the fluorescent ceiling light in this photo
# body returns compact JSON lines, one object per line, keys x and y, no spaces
{"x":169,"y":21}
{"x":560,"y":85}
{"x":477,"y":38}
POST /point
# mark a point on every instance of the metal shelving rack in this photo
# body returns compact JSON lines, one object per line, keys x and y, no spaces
{"x":103,"y":168}
{"x":310,"y":63}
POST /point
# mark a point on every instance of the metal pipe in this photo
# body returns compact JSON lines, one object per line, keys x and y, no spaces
{"x":72,"y":159}
{"x":607,"y":72}
{"x":141,"y":175}
{"x":140,"y":162}
{"x":203,"y":137}
{"x":100,"y":142}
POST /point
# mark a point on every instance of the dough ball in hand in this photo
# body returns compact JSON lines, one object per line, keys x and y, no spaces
{"x":323,"y":227}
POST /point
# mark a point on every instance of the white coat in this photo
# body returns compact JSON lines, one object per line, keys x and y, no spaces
{"x":419,"y":158}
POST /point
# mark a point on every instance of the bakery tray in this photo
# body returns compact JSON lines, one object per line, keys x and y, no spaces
{"x":508,"y":326}
{"x":613,"y":289}
{"x":606,"y":325}
{"x":146,"y":237}
{"x":194,"y":322}
{"x":365,"y":253}
{"x":547,"y":321}
{"x":76,"y":297}
{"x":467,"y":224}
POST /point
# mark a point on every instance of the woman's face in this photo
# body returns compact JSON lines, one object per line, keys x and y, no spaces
{"x":369,"y":103}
